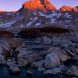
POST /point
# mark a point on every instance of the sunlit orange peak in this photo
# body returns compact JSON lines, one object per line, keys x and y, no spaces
{"x":39,"y":5}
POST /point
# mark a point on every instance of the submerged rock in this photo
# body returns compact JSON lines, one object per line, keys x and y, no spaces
{"x":53,"y":71}
{"x":14,"y":68}
{"x":29,"y":72}
{"x":41,"y":69}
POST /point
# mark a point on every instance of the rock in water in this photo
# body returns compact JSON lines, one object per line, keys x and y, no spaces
{"x":53,"y":59}
{"x":14,"y":69}
{"x":38,"y":64}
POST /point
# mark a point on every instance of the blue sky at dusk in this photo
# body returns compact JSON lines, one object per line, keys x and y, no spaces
{"x":10,"y":5}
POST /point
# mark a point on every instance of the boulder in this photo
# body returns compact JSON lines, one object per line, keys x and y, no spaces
{"x":30,"y":56}
{"x":21,"y":57}
{"x":10,"y":61}
{"x":52,"y":60}
{"x":22,"y":62}
{"x":13,"y":67}
{"x":57,"y":70}
{"x":63,"y":55}
{"x":56,"y":56}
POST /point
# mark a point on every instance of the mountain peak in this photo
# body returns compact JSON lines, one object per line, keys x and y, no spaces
{"x":42,"y":5}
{"x":66,"y":8}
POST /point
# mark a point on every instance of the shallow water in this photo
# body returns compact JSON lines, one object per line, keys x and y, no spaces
{"x":4,"y":73}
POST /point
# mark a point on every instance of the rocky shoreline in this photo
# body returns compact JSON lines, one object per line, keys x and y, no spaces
{"x":49,"y":54}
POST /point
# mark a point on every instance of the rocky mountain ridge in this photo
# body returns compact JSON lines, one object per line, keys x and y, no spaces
{"x":37,"y":13}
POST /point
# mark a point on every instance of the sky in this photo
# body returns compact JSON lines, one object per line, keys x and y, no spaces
{"x":12,"y":5}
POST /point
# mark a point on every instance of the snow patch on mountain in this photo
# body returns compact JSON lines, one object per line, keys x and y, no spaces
{"x":7,"y":24}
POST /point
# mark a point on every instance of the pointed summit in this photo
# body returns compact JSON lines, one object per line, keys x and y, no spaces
{"x":42,"y":5}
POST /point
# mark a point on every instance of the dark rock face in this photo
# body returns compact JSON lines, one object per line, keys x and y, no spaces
{"x":5,"y":33}
{"x":36,"y":32}
{"x":32,"y":32}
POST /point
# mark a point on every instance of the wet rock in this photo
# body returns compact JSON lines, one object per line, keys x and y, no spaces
{"x":10,"y":62}
{"x":14,"y":68}
{"x":2,"y":60}
{"x":52,"y":71}
{"x":63,"y":68}
{"x":60,"y":69}
{"x":29,"y":72}
{"x":73,"y":71}
{"x":41,"y":69}
{"x":22,"y":62}
{"x":37,"y":64}
{"x":52,"y":60}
